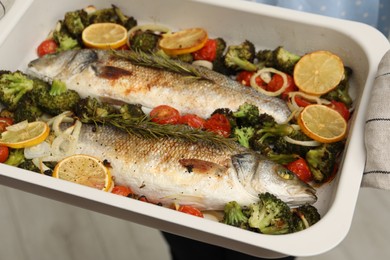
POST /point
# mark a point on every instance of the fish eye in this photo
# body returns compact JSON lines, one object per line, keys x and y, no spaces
{"x":285,"y":173}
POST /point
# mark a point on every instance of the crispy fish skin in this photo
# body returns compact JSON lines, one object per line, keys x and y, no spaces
{"x":100,"y":74}
{"x":168,"y":170}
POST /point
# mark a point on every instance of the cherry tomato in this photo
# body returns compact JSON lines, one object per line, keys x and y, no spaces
{"x":47,"y":47}
{"x":122,"y":190}
{"x":207,"y":52}
{"x":164,"y":114}
{"x":192,"y":120}
{"x":244,"y":77}
{"x":218,"y":124}
{"x":4,"y":152}
{"x":4,"y":122}
{"x":301,"y":102}
{"x":301,"y":169}
{"x":277,"y":82}
{"x":341,"y":108}
{"x":190,"y":210}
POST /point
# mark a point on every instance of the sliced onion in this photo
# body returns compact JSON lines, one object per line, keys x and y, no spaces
{"x":37,"y":151}
{"x":261,"y":90}
{"x":203,"y":63}
{"x":40,"y":165}
{"x":302,"y":143}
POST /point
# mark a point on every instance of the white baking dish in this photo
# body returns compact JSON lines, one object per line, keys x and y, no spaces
{"x":360,"y":46}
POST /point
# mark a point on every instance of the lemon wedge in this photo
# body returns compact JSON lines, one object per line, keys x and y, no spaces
{"x":184,"y":41}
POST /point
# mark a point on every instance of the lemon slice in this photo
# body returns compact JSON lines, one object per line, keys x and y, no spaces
{"x":86,"y":170}
{"x":185,"y":41}
{"x":24,"y":134}
{"x":318,"y":72}
{"x":104,"y":36}
{"x":322,"y":123}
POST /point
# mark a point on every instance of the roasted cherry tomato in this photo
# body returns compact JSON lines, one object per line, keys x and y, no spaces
{"x":301,"y":169}
{"x":122,"y":190}
{"x":4,"y":122}
{"x":192,"y":120}
{"x":219,"y":124}
{"x":244,"y":77}
{"x":164,"y":114}
{"x":207,"y":52}
{"x":4,"y":152}
{"x":190,"y":210}
{"x":277,"y":82}
{"x":47,"y":47}
{"x":341,"y":108}
{"x":301,"y":102}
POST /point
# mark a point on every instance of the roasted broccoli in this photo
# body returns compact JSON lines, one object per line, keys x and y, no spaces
{"x":270,"y":215}
{"x":112,"y":15}
{"x":75,"y":22}
{"x":241,"y":57}
{"x":13,"y":85}
{"x":56,"y":98}
{"x":234,"y":215}
{"x":278,"y":58}
{"x":284,"y":147}
{"x":91,"y":108}
{"x":243,"y":135}
{"x":129,"y":111}
{"x":27,"y":109}
{"x":304,"y":217}
{"x":322,"y":160}
{"x":145,"y":41}
{"x":341,"y":92}
{"x":64,"y":39}
{"x":247,"y":114}
{"x":15,"y":157}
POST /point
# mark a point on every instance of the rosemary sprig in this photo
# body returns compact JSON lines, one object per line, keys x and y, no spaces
{"x":154,"y":60}
{"x":143,"y":127}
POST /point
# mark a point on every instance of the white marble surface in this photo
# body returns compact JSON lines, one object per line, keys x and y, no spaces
{"x":32,"y":227}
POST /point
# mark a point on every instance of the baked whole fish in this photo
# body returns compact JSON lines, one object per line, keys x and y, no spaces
{"x":168,"y":170}
{"x":101,"y":74}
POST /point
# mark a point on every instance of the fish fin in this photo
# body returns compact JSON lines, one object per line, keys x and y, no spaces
{"x":202,"y":166}
{"x":245,"y":165}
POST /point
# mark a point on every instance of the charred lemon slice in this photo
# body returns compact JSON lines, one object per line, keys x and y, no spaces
{"x":322,"y":123}
{"x":86,"y":170}
{"x":318,"y":72}
{"x":24,"y":134}
{"x":104,"y":36}
{"x":185,"y":41}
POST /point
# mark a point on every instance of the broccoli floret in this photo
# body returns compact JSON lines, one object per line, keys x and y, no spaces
{"x":112,"y":15}
{"x":280,"y":145}
{"x":247,"y":115}
{"x":127,"y":22}
{"x":15,"y":157}
{"x":322,"y":160}
{"x":75,"y":22}
{"x":270,"y":215}
{"x":27,"y":109}
{"x":56,"y":98}
{"x":267,"y":151}
{"x":278,"y":58}
{"x":187,"y":58}
{"x":241,"y":57}
{"x":341,"y":92}
{"x":243,"y":135}
{"x":29,"y":165}
{"x":305,"y":216}
{"x":129,"y":111}
{"x":64,"y":40}
{"x":13,"y":85}
{"x":90,"y":108}
{"x":145,"y":41}
{"x":234,"y":215}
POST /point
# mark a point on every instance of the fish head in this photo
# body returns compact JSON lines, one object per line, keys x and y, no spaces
{"x":61,"y":65}
{"x":259,"y":175}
